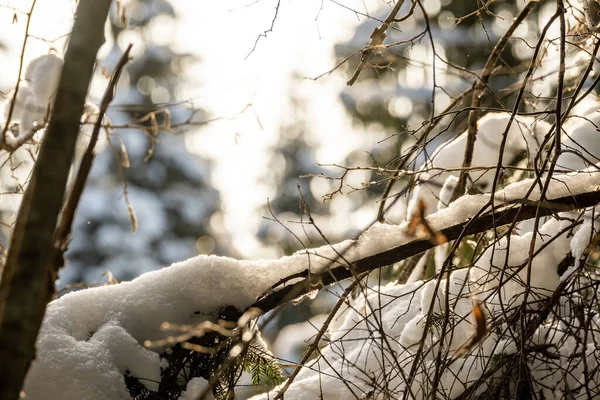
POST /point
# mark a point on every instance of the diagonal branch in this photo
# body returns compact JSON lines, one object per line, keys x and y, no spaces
{"x":509,"y":214}
{"x":63,"y":231}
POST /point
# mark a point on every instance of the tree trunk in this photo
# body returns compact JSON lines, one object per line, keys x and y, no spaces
{"x":28,"y":277}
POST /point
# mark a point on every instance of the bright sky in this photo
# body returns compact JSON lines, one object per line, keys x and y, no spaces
{"x":228,"y":81}
{"x":222,"y":34}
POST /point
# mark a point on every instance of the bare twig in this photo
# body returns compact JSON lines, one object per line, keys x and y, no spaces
{"x":14,"y":100}
{"x":266,"y":31}
{"x":63,"y":230}
{"x":316,"y":340}
{"x":377,"y":38}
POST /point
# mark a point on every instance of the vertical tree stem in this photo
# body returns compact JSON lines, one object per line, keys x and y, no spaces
{"x":29,"y":274}
{"x":478,"y":92}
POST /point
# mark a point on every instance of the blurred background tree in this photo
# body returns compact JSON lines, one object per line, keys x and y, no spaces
{"x":168,"y":188}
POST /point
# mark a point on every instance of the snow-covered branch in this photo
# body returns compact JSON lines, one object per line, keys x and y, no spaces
{"x":101,"y":332}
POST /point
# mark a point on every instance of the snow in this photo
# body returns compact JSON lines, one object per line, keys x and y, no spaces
{"x":34,"y":97}
{"x":582,"y":238}
{"x":194,"y":389}
{"x":465,"y":286}
{"x":30,"y":108}
{"x":581,"y":147}
{"x":504,"y":266}
{"x":359,"y":326}
{"x":27,"y":110}
{"x":92,"y":338}
{"x":427,"y":298}
{"x":43,"y":74}
{"x":524,"y":136}
{"x":489,"y":281}
{"x":447,"y":191}
{"x":109,"y":324}
{"x":187,"y":292}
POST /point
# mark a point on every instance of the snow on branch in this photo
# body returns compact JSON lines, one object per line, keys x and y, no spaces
{"x":31,"y":102}
{"x":92,"y":338}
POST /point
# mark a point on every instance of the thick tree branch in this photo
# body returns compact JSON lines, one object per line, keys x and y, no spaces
{"x":509,"y":214}
{"x":28,"y":277}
